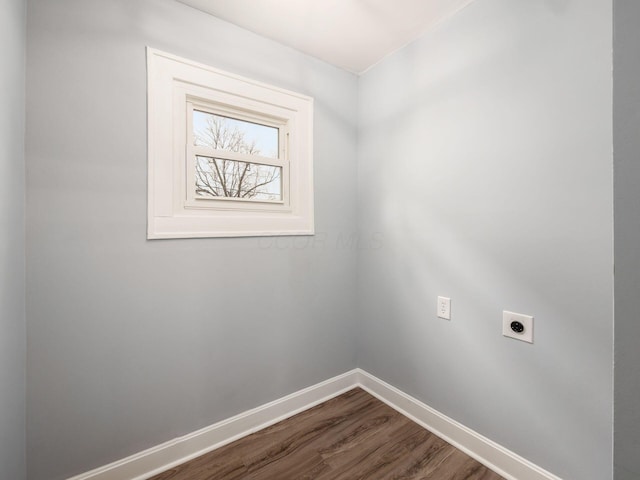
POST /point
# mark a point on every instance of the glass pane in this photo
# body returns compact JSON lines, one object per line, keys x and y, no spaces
{"x":233,"y":135}
{"x":217,"y":177}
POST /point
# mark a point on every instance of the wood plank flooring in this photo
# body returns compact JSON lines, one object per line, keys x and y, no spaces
{"x":353,"y":436}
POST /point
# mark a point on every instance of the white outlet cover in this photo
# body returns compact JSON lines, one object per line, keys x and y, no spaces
{"x":444,"y":308}
{"x":526,"y":320}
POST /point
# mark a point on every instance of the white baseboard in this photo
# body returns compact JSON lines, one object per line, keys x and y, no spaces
{"x":157,"y":459}
{"x":150,"y":462}
{"x":502,"y":461}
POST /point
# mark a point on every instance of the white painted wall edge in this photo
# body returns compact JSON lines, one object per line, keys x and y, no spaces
{"x":157,"y":459}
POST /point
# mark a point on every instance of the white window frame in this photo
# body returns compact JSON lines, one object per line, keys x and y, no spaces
{"x":175,"y":87}
{"x":232,"y":203}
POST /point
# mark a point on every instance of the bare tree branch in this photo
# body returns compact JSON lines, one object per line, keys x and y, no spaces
{"x":230,"y":178}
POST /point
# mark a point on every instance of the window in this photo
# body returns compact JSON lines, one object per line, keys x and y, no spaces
{"x":228,"y":156}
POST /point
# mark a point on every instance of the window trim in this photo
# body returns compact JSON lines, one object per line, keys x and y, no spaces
{"x":177,"y":85}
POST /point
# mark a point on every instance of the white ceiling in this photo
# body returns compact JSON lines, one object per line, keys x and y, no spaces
{"x":351,"y":34}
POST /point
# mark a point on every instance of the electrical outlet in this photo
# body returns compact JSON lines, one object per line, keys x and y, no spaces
{"x":444,"y":308}
{"x":518,"y":326}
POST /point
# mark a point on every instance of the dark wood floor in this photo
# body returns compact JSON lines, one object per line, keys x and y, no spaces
{"x":353,"y":436}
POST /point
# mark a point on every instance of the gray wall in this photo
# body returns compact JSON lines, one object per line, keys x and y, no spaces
{"x":12,"y":254}
{"x":485,"y":167}
{"x":626,"y":148}
{"x":134,"y":342}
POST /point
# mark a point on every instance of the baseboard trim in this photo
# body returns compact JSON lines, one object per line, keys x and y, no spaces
{"x":499,"y":459}
{"x":148,"y":463}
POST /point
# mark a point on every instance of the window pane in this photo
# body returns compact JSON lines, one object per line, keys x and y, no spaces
{"x":233,"y":135}
{"x":217,"y":177}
